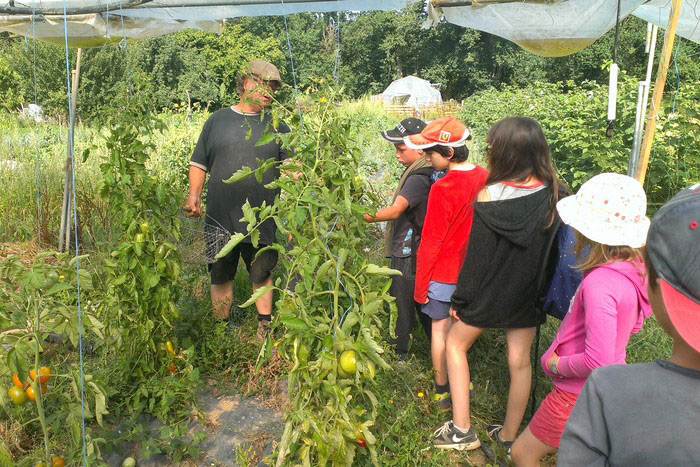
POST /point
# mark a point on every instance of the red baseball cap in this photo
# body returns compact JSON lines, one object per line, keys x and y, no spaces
{"x":673,"y":245}
{"x":443,"y":131}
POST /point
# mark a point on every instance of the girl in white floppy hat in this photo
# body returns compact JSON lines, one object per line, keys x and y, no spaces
{"x":608,"y":216}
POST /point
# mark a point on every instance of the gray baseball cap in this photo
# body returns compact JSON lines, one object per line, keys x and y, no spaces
{"x":673,"y":245}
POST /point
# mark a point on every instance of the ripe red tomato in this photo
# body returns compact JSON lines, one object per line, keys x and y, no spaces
{"x":44,"y":374}
{"x":32,"y":395}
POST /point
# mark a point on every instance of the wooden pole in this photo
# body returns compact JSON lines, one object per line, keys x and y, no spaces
{"x":666,"y":52}
{"x":64,"y":233}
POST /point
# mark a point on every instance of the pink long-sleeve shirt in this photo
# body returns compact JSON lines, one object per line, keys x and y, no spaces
{"x":609,"y":306}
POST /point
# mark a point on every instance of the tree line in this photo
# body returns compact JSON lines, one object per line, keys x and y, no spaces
{"x":364,"y":52}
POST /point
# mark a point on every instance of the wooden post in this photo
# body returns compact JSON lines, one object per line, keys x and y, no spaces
{"x":64,"y":232}
{"x":667,"y":51}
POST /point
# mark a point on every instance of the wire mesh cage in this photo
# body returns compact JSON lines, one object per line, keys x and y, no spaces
{"x":200,"y":241}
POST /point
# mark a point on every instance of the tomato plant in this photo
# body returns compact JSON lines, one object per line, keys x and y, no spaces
{"x":332,"y":301}
{"x":142,"y":276}
{"x":36,"y":300}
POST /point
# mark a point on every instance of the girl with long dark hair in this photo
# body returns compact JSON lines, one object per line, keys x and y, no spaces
{"x":496,"y":289}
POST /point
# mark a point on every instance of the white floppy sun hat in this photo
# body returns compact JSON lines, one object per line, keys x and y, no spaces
{"x":609,"y":209}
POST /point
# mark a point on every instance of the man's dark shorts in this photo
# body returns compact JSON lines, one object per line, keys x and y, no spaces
{"x":259,"y":269}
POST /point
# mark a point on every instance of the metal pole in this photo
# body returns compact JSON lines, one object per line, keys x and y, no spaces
{"x":644,"y":87}
{"x":669,"y":39}
{"x":638,"y":123}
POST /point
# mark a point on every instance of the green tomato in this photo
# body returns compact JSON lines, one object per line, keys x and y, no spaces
{"x":348,"y":362}
{"x":144,"y":227}
{"x":129,"y":462}
{"x":53,"y":275}
{"x":343,"y":373}
{"x":140,"y":238}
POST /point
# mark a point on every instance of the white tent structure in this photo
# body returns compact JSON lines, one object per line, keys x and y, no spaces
{"x":412,"y":91}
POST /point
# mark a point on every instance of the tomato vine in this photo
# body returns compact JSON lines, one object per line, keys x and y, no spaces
{"x":332,"y":301}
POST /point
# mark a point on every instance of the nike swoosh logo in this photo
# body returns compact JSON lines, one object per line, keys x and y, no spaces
{"x":456,"y":439}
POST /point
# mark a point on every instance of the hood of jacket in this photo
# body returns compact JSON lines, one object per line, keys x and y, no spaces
{"x":516,"y":219}
{"x":634,"y":271}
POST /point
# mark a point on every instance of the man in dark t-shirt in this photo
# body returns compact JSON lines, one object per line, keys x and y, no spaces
{"x":405,"y":221}
{"x":226,"y":144}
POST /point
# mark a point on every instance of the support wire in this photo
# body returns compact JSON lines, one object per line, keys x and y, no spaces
{"x":71,"y":118}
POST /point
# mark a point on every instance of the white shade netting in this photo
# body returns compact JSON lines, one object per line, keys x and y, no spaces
{"x":658,"y":11}
{"x":412,"y":91}
{"x":95,"y":30}
{"x":100,"y":21}
{"x":546,"y":28}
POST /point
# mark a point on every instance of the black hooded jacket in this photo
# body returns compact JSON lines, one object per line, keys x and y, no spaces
{"x":497,"y":283}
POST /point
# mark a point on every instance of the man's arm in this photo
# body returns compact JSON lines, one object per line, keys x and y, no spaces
{"x":389,"y":213}
{"x":585,"y":441}
{"x":193,"y":206}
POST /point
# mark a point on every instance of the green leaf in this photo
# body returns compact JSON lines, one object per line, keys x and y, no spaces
{"x":152,"y":281}
{"x":279,"y":248}
{"x":374,"y":269}
{"x":265,"y":139}
{"x":294,"y":323}
{"x":254,"y":238}
{"x":235,"y":240}
{"x":58,"y":287}
{"x":240,"y":174}
{"x":256,"y":295}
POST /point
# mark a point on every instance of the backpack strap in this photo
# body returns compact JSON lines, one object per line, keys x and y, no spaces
{"x":541,"y":274}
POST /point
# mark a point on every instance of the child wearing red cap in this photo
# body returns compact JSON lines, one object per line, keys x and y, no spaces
{"x":649,"y":413}
{"x":445,"y":232}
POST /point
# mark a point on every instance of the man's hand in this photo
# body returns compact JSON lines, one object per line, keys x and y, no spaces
{"x":193,"y":206}
{"x":454,"y":314}
{"x":368,"y":218}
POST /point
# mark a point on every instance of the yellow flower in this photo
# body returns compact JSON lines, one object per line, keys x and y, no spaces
{"x":420,"y":394}
{"x":391,"y":401}
{"x":323,"y":100}
{"x":61,"y":276}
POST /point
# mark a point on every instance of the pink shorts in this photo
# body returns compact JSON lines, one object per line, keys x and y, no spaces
{"x":547,"y":425}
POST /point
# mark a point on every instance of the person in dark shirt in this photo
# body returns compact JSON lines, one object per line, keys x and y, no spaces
{"x":649,"y":413}
{"x":227,"y":143}
{"x":402,"y":234}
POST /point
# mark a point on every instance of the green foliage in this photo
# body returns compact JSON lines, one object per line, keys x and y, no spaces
{"x":141,"y":277}
{"x":375,"y":48}
{"x":331,"y":299}
{"x":573,"y":118}
{"x":10,"y":94}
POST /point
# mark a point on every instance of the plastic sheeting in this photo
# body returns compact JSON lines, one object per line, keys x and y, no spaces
{"x":658,"y":11}
{"x":159,"y":8}
{"x":546,"y":29}
{"x":412,"y":91}
{"x":95,"y":30}
{"x":158,"y":17}
{"x":198,"y":10}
